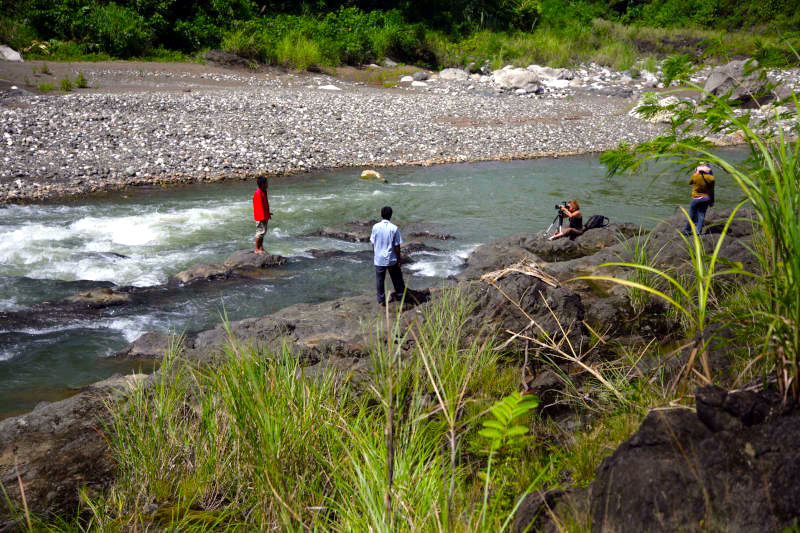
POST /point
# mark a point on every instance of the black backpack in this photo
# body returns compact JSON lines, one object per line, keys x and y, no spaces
{"x":596,"y":221}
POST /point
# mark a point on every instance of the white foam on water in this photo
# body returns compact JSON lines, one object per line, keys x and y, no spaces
{"x":8,"y":354}
{"x":440,"y":264}
{"x":411,"y":184}
{"x":155,"y":241}
{"x":379,"y":193}
{"x":131,"y":327}
{"x":8,"y":304}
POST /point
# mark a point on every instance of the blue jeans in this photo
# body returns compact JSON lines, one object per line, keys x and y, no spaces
{"x":697,"y":214}
{"x":397,"y":280}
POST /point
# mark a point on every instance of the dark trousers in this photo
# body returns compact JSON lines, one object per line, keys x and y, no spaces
{"x":397,"y":280}
{"x":697,"y":214}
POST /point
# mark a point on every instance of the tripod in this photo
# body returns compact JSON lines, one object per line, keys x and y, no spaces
{"x":560,"y":219}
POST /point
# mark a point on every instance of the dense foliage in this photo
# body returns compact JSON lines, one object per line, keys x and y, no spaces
{"x":351,"y":31}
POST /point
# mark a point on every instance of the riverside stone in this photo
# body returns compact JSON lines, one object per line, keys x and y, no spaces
{"x":738,"y":475}
{"x":517,"y":78}
{"x":457,"y":74}
{"x":744,"y":87}
{"x":58,"y":449}
{"x":9,"y":54}
{"x":252,"y":124}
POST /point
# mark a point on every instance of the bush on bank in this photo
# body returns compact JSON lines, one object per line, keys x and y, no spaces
{"x":434,"y":33}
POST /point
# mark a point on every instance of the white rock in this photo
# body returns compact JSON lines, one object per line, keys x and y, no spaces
{"x":515,"y":79}
{"x":520,"y":91}
{"x":418,"y":84}
{"x":329,"y":88}
{"x":9,"y":54}
{"x":406,"y":79}
{"x":454,"y":74}
{"x":557,"y":84}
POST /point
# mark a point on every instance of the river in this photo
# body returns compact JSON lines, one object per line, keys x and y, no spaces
{"x":142,"y":237}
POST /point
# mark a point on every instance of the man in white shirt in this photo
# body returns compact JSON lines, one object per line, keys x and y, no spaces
{"x":386,"y":240}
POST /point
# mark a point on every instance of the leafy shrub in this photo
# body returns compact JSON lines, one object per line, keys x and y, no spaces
{"x":119,"y":30}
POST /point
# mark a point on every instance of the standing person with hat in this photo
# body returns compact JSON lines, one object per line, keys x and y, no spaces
{"x":702,"y":182}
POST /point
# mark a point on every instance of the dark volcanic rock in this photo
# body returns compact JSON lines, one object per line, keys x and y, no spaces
{"x":221,"y":57}
{"x":516,"y":300}
{"x":360,"y":230}
{"x":733,"y":466}
{"x":508,"y":250}
{"x":239,"y":262}
{"x":57,"y":449}
{"x":745,"y":86}
{"x":151,"y":345}
{"x":244,"y":259}
{"x":100,"y":297}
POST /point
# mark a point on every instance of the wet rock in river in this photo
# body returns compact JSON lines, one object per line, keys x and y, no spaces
{"x":151,"y":345}
{"x":99,"y":297}
{"x":239,"y":262}
{"x":360,"y":230}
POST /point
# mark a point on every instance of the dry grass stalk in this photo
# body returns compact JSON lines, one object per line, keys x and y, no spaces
{"x":523,"y":266}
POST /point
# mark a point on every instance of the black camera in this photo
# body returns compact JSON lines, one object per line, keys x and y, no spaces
{"x":562,"y":204}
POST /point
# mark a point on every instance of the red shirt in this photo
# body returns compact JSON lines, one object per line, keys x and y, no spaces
{"x":260,"y":206}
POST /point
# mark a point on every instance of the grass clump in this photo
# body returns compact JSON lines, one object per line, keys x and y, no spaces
{"x":81,"y":82}
{"x":45,"y":87}
{"x":250,"y":443}
{"x":66,"y":85}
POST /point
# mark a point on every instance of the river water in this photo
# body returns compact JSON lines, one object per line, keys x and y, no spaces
{"x":48,"y":252}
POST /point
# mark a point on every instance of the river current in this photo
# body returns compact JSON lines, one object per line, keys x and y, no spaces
{"x":142,"y":237}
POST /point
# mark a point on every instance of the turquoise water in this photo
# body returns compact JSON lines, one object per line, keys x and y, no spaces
{"x":143,"y":237}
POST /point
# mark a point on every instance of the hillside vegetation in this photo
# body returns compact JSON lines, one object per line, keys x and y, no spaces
{"x":434,"y":34}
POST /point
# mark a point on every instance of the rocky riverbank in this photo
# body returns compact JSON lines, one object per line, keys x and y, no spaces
{"x":154,"y":124}
{"x":58,"y":448}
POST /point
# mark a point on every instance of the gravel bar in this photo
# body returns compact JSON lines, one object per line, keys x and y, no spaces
{"x":180,"y":128}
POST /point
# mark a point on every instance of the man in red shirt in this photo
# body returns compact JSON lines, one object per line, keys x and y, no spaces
{"x":261,"y":213}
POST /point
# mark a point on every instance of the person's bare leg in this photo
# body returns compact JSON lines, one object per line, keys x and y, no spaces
{"x":259,"y":245}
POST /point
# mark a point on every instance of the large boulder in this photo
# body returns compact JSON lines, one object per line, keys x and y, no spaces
{"x":746,"y":88}
{"x":456,"y":74}
{"x":508,"y":250}
{"x":9,"y":54}
{"x":515,"y":78}
{"x":518,"y":302}
{"x":56,"y":450}
{"x":733,"y":466}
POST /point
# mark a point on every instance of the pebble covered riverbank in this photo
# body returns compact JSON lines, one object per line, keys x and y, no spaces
{"x":184,"y":123}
